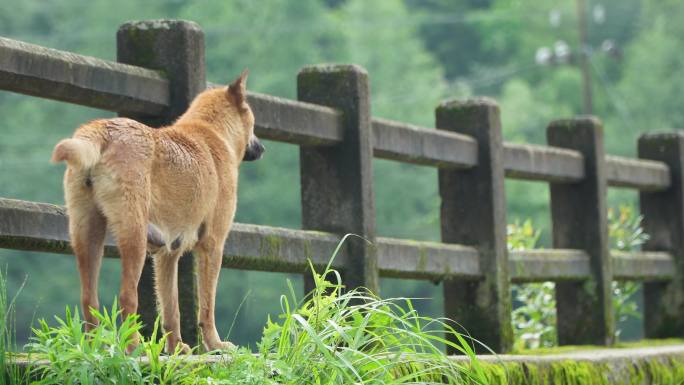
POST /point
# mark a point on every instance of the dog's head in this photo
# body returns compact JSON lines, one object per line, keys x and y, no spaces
{"x":226,"y":110}
{"x":237,"y":95}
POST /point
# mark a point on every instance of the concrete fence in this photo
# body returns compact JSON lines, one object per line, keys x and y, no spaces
{"x":160,"y":69}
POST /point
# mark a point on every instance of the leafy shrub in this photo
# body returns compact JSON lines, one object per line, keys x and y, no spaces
{"x":626,"y":234}
{"x":534,"y":320}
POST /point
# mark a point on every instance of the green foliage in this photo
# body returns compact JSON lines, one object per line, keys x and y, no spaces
{"x":624,"y":229}
{"x":369,"y":38}
{"x":624,"y":303}
{"x":534,"y":320}
{"x":626,"y":234}
{"x":242,"y":367}
{"x":522,"y":236}
{"x":651,"y":86}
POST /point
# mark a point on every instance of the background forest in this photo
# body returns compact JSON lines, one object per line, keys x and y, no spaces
{"x":417,"y":53}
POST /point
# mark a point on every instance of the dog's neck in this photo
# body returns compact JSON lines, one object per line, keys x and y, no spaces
{"x":217,"y":120}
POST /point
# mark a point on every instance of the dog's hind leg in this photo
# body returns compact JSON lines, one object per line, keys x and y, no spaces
{"x":126,"y":210}
{"x":87,"y":229}
{"x":131,"y":237}
{"x":166,"y":280}
{"x":122,"y":187}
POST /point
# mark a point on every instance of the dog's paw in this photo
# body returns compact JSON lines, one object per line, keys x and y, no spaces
{"x":220,"y":345}
{"x":183,"y":348}
{"x":180,"y":347}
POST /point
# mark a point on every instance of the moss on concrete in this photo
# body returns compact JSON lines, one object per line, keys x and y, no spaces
{"x":621,"y":345}
{"x":34,"y":244}
{"x":143,"y":41}
{"x":647,"y":342}
{"x":270,"y":247}
{"x":422,"y":259}
{"x":661,"y":371}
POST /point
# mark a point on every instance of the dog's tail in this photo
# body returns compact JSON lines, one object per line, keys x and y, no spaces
{"x":79,"y":153}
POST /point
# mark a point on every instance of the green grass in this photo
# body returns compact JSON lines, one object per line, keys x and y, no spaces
{"x":10,"y":373}
{"x":330,"y":336}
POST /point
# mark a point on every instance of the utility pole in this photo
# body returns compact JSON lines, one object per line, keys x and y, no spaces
{"x":561,"y":53}
{"x":584,"y":56}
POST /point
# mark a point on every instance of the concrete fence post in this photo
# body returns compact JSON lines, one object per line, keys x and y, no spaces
{"x":337,"y":181}
{"x":473,"y":213}
{"x":177,"y":49}
{"x":663,"y":213}
{"x":578,"y":212}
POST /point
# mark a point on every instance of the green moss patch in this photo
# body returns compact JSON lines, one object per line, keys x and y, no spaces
{"x":639,"y":371}
{"x":579,"y":348}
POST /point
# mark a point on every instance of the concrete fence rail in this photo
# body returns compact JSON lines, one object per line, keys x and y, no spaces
{"x":161,"y":69}
{"x":43,"y":227}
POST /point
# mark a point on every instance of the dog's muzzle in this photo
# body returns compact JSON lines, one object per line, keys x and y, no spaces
{"x":255,"y":150}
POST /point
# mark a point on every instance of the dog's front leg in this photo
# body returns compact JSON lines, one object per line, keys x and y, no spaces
{"x":209,"y":255}
{"x":166,"y":280}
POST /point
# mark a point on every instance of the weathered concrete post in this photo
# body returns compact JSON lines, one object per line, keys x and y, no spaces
{"x":337,"y":181}
{"x":663,"y":213}
{"x":473,"y":213}
{"x":578,"y":212}
{"x":177,"y":49}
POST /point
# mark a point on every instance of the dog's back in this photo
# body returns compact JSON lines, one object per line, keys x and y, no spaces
{"x":98,"y":138}
{"x":173,"y":171}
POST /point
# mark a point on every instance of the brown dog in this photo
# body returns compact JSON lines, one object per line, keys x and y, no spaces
{"x":171,"y":189}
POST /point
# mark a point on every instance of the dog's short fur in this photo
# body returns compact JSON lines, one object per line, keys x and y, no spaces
{"x":169,"y":190}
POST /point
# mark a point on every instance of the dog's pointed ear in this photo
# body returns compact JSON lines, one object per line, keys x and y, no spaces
{"x":238,"y":89}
